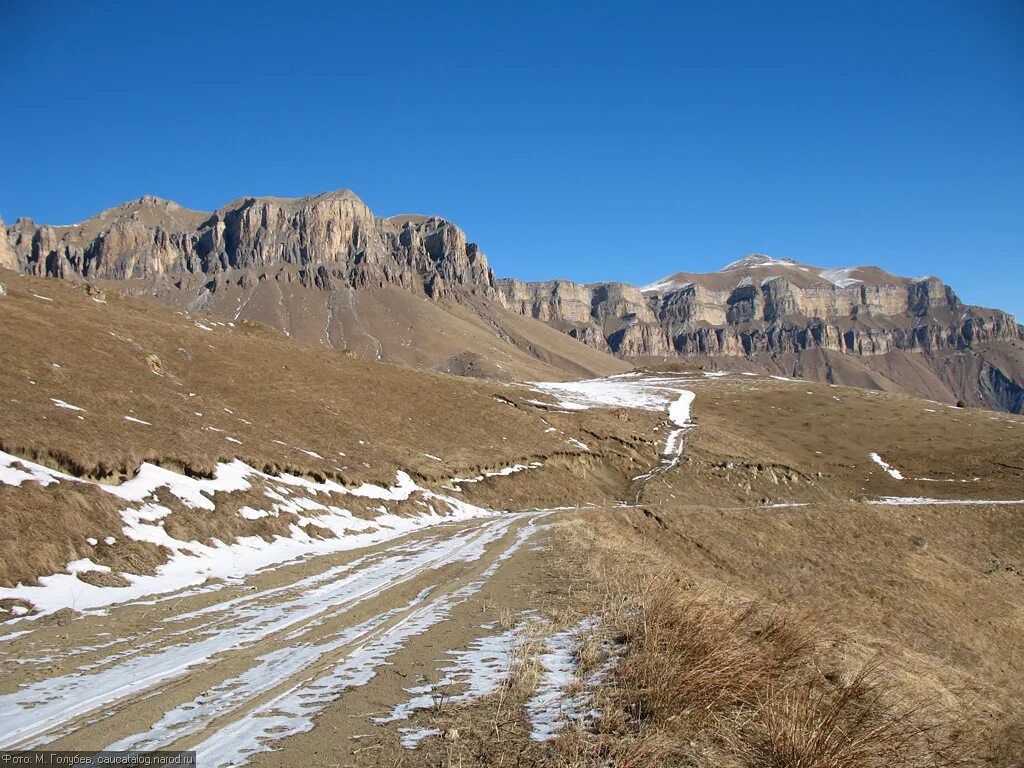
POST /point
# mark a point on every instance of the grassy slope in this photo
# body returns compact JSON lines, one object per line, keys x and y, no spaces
{"x":249,"y":381}
{"x":932,"y":591}
{"x":834,"y":635}
{"x":309,"y":410}
{"x":398,"y":325}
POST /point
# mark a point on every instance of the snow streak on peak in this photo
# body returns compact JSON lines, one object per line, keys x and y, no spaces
{"x":758,"y":260}
{"x":840,"y":277}
{"x":666,"y":284}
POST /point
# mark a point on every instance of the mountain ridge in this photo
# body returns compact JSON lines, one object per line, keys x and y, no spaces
{"x":855,"y":325}
{"x":409,"y":287}
{"x":323,"y":269}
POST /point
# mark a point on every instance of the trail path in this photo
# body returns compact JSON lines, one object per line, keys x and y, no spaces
{"x":241,"y":670}
{"x":298,"y":662}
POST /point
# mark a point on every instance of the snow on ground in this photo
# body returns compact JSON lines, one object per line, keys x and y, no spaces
{"x":623,"y":391}
{"x":68,"y":406}
{"x":305,"y":676}
{"x":628,"y":390}
{"x":666,"y":284}
{"x":411,"y":737}
{"x":296,"y":710}
{"x":905,"y":501}
{"x":480,"y":669}
{"x":894,"y":473}
{"x":503,"y":472}
{"x":192,"y":562}
{"x":477,"y":670}
{"x":840,"y":277}
{"x":551,"y":707}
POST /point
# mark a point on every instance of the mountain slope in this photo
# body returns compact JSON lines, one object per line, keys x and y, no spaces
{"x":324,"y":269}
{"x":859,"y":325}
{"x":107,"y":392}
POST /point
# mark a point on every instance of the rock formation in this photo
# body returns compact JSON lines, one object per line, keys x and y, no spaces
{"x":329,"y":236}
{"x":8,"y":259}
{"x":762,"y":305}
{"x":323,"y":269}
{"x":760,"y":308}
{"x":409,"y":289}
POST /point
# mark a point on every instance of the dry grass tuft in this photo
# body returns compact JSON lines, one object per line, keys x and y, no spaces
{"x":690,"y":656}
{"x":859,"y":723}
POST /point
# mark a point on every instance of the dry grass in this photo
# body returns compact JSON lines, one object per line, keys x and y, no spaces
{"x":691,"y":656}
{"x":283,"y":401}
{"x":858,"y":723}
{"x":304,"y":410}
{"x":709,"y":679}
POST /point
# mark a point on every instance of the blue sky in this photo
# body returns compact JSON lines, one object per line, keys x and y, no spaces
{"x":580,"y":140}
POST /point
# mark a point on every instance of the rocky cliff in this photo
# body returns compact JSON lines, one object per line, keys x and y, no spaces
{"x":763,"y":305}
{"x":413,"y":290}
{"x":762,"y":308}
{"x":323,"y":269}
{"x":332,"y":235}
{"x":8,"y":259}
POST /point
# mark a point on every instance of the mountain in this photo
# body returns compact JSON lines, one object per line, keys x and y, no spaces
{"x":413,"y":290}
{"x":859,"y":325}
{"x":323,"y":269}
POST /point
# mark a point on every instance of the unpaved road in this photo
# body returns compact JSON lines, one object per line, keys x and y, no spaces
{"x":294,"y":661}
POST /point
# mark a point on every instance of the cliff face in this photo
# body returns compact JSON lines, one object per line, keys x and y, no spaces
{"x":331,"y":236}
{"x":324,"y":270}
{"x":782,"y":317}
{"x":8,"y":259}
{"x":306,"y":266}
{"x":764,"y":306}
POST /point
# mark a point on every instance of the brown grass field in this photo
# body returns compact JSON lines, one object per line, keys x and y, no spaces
{"x":763,"y":613}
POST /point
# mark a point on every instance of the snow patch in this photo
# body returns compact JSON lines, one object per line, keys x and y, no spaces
{"x":894,"y":473}
{"x":551,"y":707}
{"x":840,"y":277}
{"x":909,"y":501}
{"x":193,"y":562}
{"x":68,"y":406}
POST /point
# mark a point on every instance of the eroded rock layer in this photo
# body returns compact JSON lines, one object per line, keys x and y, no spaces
{"x":760,"y":309}
{"x":324,"y":269}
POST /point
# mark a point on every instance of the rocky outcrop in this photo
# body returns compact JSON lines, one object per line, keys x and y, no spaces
{"x":332,"y":235}
{"x":8,"y":259}
{"x":1000,"y":390}
{"x":770,"y":315}
{"x":765,"y":310}
{"x":297,"y":264}
{"x":323,"y":270}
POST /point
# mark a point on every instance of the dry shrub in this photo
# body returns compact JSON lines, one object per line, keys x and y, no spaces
{"x":690,"y":655}
{"x":859,"y":723}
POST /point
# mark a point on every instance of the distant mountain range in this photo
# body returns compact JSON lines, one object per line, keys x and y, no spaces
{"x":412,"y":290}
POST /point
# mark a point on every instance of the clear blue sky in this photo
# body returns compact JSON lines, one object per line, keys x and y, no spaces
{"x":579,"y":140}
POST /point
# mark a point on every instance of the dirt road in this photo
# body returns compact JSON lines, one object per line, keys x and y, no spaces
{"x":299,"y":658}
